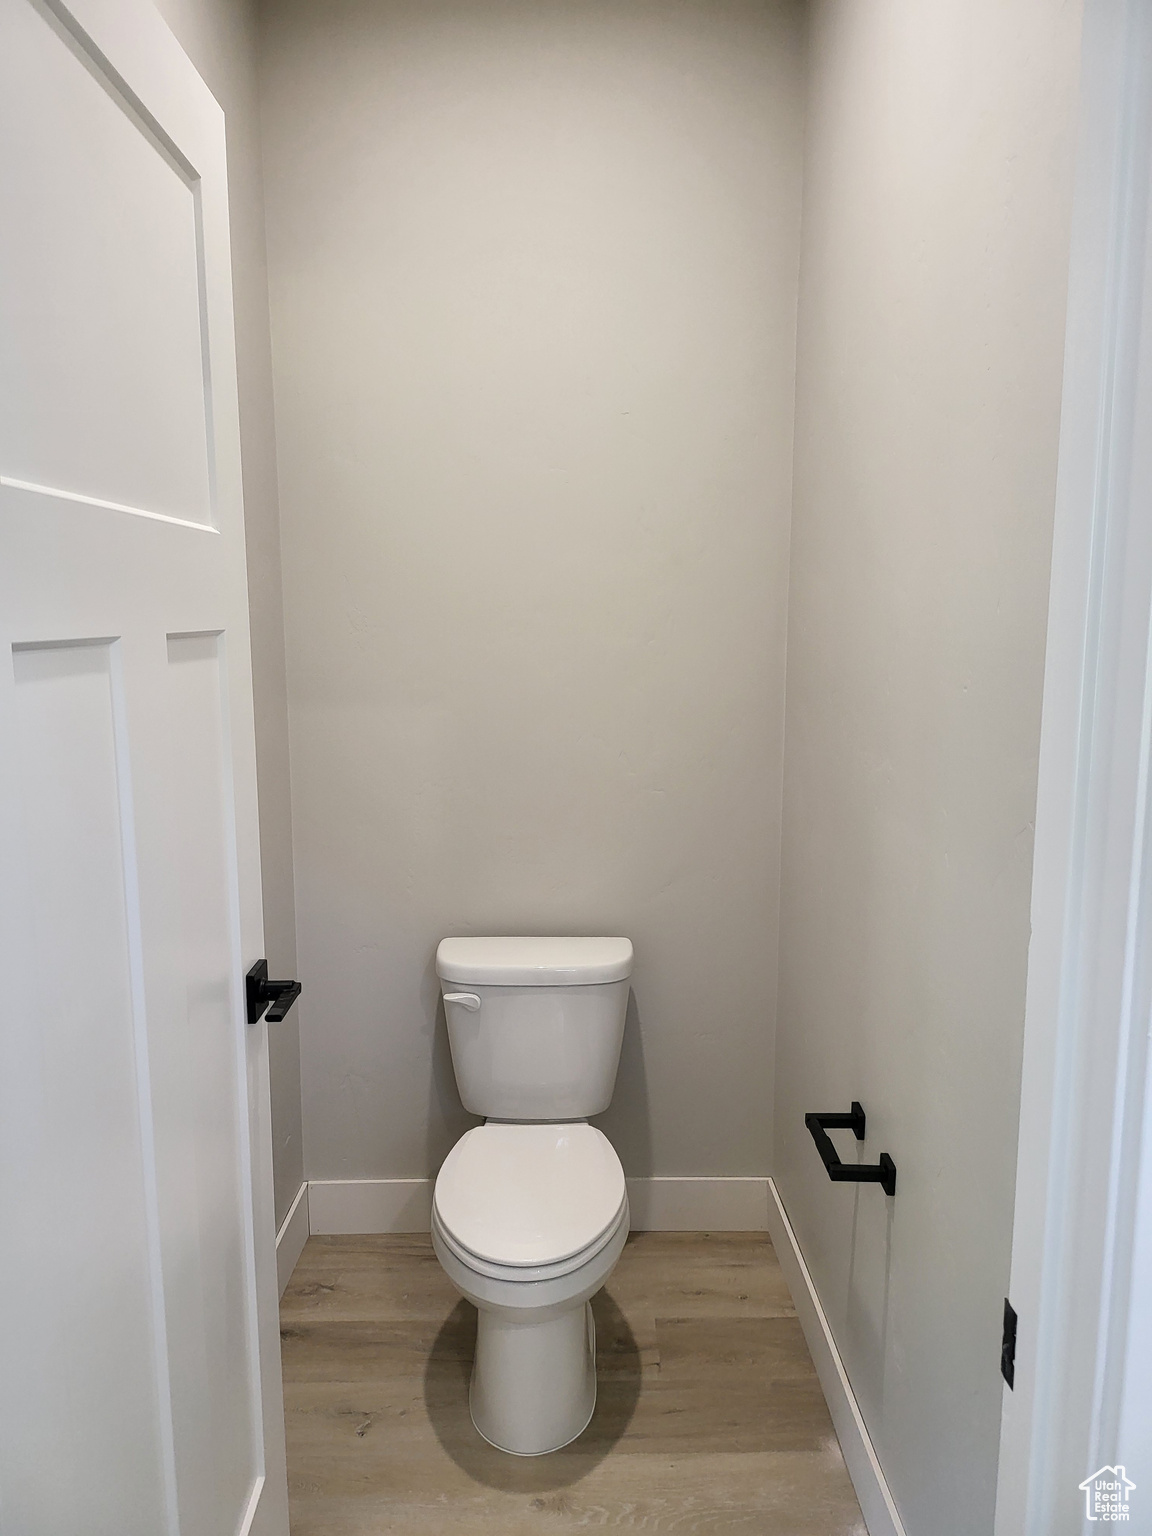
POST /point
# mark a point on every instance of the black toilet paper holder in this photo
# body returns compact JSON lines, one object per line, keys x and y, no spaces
{"x":882,"y":1173}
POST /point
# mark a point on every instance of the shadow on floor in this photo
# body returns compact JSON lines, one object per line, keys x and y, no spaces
{"x":446,"y":1376}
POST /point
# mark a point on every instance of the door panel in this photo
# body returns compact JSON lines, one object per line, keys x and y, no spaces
{"x":103,"y":387}
{"x":197,"y":1080}
{"x":72,"y":1082}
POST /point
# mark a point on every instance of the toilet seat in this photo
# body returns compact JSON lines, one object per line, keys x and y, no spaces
{"x":529,"y":1274}
{"x":529,"y":1201}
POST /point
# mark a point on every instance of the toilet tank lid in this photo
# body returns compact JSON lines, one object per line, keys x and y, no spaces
{"x":534,"y":962}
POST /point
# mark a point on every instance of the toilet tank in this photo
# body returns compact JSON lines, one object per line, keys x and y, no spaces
{"x":535,"y":1024}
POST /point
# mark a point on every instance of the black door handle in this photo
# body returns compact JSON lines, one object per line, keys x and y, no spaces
{"x":883,"y":1172}
{"x":276,"y":996}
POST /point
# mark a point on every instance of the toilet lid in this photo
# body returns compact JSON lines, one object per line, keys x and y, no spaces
{"x":529,"y":1194}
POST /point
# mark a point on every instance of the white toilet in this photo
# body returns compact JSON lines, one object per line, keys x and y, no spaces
{"x":530,"y":1210}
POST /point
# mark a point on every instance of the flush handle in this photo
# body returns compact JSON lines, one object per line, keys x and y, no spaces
{"x":467,"y":1000}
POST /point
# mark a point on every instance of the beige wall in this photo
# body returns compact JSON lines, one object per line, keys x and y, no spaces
{"x":220,"y":38}
{"x":533,"y":272}
{"x":933,"y":272}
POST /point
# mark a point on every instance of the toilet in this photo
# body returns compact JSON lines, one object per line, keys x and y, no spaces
{"x":530,"y":1209}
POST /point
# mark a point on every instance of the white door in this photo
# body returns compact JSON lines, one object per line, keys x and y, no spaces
{"x":139,"y":1366}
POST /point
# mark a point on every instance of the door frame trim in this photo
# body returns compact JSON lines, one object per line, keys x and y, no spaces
{"x":1080,"y":1206}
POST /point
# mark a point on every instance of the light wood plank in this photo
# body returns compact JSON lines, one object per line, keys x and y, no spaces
{"x":702,"y":1274}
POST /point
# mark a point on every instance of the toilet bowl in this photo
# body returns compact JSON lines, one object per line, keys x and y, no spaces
{"x":533,"y":1385}
{"x":530,"y":1210}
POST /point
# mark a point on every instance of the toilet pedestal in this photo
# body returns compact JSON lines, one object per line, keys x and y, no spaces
{"x":533,"y":1383}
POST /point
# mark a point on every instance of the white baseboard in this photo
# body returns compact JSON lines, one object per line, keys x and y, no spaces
{"x":658,"y":1205}
{"x":879,"y":1508}
{"x":343,"y":1206}
{"x":292,"y":1236}
{"x":698,"y":1205}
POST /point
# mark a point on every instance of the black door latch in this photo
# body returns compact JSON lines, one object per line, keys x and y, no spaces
{"x":882,"y":1173}
{"x":276,"y":996}
{"x":1008,"y":1345}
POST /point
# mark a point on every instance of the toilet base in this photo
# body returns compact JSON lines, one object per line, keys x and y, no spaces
{"x":533,"y":1385}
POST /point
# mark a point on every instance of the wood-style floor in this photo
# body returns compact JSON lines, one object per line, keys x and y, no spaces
{"x":709,"y":1416}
